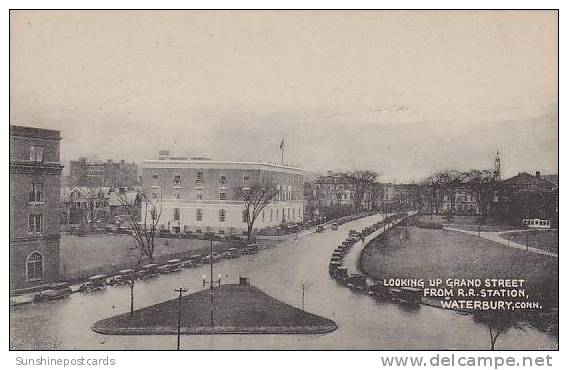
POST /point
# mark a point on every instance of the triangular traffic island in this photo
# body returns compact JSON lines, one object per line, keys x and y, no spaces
{"x":239,"y":309}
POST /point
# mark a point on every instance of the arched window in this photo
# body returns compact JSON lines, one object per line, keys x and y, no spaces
{"x":34,"y":267}
{"x":221,"y":215}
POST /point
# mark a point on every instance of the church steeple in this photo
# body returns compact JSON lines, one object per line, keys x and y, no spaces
{"x":497,"y":168}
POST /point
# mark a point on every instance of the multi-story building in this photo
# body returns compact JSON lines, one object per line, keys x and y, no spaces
{"x":35,"y":174}
{"x":96,"y":173}
{"x":202,"y":195}
{"x":526,"y":196}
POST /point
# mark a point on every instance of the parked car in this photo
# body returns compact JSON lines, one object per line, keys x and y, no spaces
{"x":407,"y":295}
{"x":56,"y":291}
{"x":334,"y":226}
{"x":251,"y":249}
{"x":97,"y":282}
{"x":379,"y":289}
{"x":148,"y":271}
{"x":320,"y":229}
{"x":232,"y":253}
{"x":357,"y":281}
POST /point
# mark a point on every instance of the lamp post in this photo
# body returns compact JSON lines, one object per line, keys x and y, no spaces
{"x":180,"y":290}
{"x":211,"y":283}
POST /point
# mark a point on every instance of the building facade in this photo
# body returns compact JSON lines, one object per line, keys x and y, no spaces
{"x":201,"y":195}
{"x":95,"y":173}
{"x":526,"y":196}
{"x":35,"y":173}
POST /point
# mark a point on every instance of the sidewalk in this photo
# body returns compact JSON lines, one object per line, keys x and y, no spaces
{"x":496,"y":237}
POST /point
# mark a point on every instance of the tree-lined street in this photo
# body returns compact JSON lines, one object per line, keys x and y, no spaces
{"x":363,"y":322}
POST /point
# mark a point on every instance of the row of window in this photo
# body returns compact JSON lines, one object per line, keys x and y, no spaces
{"x":272,"y":214}
{"x":177,"y":180}
{"x":281,"y":196}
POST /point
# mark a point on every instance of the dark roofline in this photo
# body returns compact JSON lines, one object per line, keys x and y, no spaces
{"x":35,"y":132}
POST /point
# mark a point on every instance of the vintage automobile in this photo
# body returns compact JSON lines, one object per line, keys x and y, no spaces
{"x":232,"y":253}
{"x":379,"y":289}
{"x":334,"y":226}
{"x":251,"y":249}
{"x":334,"y":265}
{"x":357,"y":281}
{"x":56,"y":291}
{"x":407,"y":295}
{"x":336,"y":258}
{"x":173,"y":265}
{"x":337,"y":253}
{"x":320,"y":229}
{"x":123,"y":277}
{"x":97,"y":282}
{"x":340,"y":274}
{"x":148,"y":271}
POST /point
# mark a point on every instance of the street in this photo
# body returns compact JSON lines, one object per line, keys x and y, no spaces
{"x":363,"y":322}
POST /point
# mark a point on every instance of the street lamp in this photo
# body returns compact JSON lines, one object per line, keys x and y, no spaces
{"x":211,"y":282}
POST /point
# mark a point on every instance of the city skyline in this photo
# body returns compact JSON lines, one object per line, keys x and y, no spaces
{"x":401,"y":93}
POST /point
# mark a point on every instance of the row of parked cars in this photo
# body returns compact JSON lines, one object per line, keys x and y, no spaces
{"x":406,"y":295}
{"x":153,"y":270}
{"x":148,"y":271}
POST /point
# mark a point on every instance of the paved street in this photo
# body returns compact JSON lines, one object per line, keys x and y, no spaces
{"x":363,"y":322}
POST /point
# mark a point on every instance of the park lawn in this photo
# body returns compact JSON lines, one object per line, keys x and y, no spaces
{"x":238,"y":308}
{"x":468,"y":223}
{"x":81,"y":257}
{"x":439,"y":253}
{"x":541,"y":239}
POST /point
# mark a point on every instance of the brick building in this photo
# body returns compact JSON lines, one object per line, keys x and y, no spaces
{"x":35,"y":174}
{"x":93,"y":173}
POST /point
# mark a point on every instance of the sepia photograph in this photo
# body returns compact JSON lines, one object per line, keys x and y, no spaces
{"x":283,"y":180}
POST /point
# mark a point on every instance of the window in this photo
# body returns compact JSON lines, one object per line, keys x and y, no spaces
{"x":155,"y":176}
{"x":246,"y":177}
{"x":178,"y":196}
{"x":199,"y":196}
{"x":36,"y":153}
{"x":177,"y":179}
{"x":199,"y":179}
{"x":245,"y":216}
{"x":35,"y":223}
{"x":223,"y":179}
{"x":221,"y":215}
{"x":154,"y":195}
{"x":35,"y":193}
{"x":198,"y":214}
{"x":34,"y":267}
{"x":222,"y":194}
{"x":176,"y":214}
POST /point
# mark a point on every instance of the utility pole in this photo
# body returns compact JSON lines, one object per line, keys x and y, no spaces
{"x":180,"y":290}
{"x":303,"y":289}
{"x":211,"y":282}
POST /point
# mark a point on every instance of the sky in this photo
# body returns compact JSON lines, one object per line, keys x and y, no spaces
{"x":403,"y":93}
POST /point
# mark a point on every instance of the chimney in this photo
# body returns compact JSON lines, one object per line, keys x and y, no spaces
{"x":538,"y":174}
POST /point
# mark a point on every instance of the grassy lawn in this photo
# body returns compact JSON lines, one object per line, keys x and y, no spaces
{"x":238,"y":308}
{"x":429,"y":254}
{"x":82,"y":257}
{"x":468,"y":223}
{"x":542,"y":239}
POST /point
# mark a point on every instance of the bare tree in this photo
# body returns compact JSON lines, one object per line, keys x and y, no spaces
{"x":360,"y":182}
{"x":481,"y":184}
{"x":255,"y":198}
{"x":497,"y":323}
{"x":144,"y":226}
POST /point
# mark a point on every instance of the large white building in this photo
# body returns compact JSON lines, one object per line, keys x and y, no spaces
{"x":202,"y":195}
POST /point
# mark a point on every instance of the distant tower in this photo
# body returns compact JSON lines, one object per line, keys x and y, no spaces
{"x":497,"y":167}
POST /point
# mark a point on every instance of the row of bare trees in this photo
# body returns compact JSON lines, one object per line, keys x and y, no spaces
{"x":479,"y":183}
